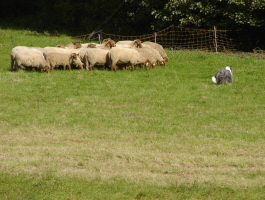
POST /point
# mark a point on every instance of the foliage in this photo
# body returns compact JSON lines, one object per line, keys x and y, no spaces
{"x":133,"y":16}
{"x":225,"y":14}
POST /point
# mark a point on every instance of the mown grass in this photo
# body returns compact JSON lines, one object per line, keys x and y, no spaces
{"x":166,"y":133}
{"x":54,"y":188}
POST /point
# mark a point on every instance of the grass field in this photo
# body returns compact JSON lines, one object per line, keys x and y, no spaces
{"x":164,"y":133}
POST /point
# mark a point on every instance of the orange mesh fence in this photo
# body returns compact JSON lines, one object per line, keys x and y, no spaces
{"x":176,"y":38}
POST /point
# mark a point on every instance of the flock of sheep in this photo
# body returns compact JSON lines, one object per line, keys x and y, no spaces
{"x":120,"y":55}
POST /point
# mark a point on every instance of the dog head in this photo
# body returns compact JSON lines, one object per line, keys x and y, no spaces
{"x":228,"y":68}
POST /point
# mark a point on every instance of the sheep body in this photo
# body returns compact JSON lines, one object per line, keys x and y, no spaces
{"x":139,"y":44}
{"x":107,"y":44}
{"x":159,"y":48}
{"x":152,"y":55}
{"x":47,"y":50}
{"x":64,"y":59}
{"x":29,"y":58}
{"x":93,"y":56}
{"x":74,"y":45}
{"x":16,"y":50}
{"x":128,"y":56}
{"x":88,"y":45}
{"x":129,"y":43}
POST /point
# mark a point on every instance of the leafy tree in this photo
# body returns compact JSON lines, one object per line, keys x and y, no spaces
{"x":135,"y":17}
{"x":226,"y":14}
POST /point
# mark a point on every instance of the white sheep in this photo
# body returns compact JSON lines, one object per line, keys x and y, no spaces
{"x":129,"y":43}
{"x":28,"y":57}
{"x":13,"y":53}
{"x":88,"y":45}
{"x":64,"y":59}
{"x":74,"y":45}
{"x":159,"y":48}
{"x":93,"y":56}
{"x":107,"y":44}
{"x":139,"y":44}
{"x":152,"y":55}
{"x":47,"y":50}
{"x":128,"y":56}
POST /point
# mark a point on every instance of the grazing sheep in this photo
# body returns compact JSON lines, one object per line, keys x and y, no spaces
{"x":128,"y":56}
{"x":19,"y":50}
{"x":93,"y":56}
{"x":159,"y":48}
{"x":138,"y":44}
{"x":47,"y":50}
{"x":88,"y":45}
{"x":107,"y":44}
{"x":30,"y":58}
{"x":64,"y":59}
{"x":129,"y":44}
{"x":60,"y":46}
{"x":74,"y":45}
{"x":152,"y":55}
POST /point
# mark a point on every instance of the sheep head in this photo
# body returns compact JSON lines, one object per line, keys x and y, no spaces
{"x":77,"y":45}
{"x":60,"y":46}
{"x":46,"y":68}
{"x":137,"y":43}
{"x":75,"y":60}
{"x":147,"y":64}
{"x":166,"y":59}
{"x":106,"y":40}
{"x":91,"y":45}
{"x":162,"y":63}
{"x":109,"y":43}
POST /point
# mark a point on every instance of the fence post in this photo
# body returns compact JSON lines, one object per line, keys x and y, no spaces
{"x":99,"y":39}
{"x":215,"y":40}
{"x":155,"y":37}
{"x":172,"y":36}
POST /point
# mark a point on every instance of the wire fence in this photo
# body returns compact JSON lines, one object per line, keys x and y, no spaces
{"x":175,"y":37}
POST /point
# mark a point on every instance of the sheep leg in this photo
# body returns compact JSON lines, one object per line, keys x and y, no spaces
{"x":12,"y":63}
{"x":17,"y":67}
{"x":128,"y":66}
{"x":82,"y":67}
{"x":87,"y":67}
{"x":132,"y":65}
{"x":113,"y":67}
{"x":91,"y":67}
{"x":87,"y":64}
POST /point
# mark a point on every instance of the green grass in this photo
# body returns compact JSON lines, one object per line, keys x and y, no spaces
{"x":54,"y":188}
{"x":165,"y":133}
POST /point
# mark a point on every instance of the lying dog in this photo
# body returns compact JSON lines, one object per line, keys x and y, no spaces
{"x":223,"y":76}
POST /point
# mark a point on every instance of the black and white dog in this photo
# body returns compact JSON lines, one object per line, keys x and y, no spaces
{"x":223,"y":76}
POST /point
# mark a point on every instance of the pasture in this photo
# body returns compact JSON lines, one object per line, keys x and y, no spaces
{"x":164,"y":133}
